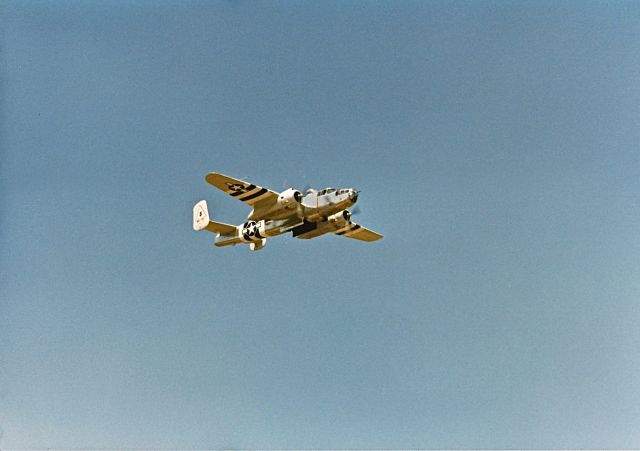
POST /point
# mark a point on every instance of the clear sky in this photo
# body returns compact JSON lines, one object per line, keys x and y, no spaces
{"x":497,"y":148}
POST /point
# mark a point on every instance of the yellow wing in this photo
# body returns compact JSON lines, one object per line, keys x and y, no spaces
{"x":358,"y":232}
{"x":252,"y":195}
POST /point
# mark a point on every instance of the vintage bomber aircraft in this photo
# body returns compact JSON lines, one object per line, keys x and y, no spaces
{"x":307,"y":215}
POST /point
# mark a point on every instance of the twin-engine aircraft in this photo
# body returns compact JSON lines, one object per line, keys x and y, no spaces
{"x":307,"y":215}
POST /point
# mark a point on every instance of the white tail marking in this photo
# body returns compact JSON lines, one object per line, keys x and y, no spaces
{"x":200,"y":215}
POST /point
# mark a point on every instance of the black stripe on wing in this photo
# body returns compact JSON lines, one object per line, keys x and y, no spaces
{"x":253,"y":196}
{"x":235,"y":192}
{"x":353,"y":228}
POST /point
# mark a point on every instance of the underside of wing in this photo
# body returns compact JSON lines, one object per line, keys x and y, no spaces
{"x":357,"y":232}
{"x":252,"y":195}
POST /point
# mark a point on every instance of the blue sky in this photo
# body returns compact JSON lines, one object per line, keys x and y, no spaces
{"x":496,"y":145}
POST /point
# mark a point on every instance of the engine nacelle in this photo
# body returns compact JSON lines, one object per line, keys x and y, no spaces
{"x":340,"y":219}
{"x":287,"y":203}
{"x":257,"y":245}
{"x":290,"y":199}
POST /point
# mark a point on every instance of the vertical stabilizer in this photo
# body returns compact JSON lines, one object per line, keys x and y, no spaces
{"x":202,"y":221}
{"x":200,"y":215}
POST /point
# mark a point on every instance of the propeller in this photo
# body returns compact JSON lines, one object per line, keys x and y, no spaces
{"x":356,"y":210}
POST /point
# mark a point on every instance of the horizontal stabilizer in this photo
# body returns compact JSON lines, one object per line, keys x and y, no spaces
{"x":201,"y":221}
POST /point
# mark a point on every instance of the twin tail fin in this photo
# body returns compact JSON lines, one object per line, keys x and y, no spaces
{"x":201,"y":221}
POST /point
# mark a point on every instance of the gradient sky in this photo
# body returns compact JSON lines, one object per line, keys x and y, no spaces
{"x":497,"y":147}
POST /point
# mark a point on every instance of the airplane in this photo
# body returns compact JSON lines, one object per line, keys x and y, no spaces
{"x":307,"y":215}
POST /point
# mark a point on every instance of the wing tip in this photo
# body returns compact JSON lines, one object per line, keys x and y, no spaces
{"x":216,"y":179}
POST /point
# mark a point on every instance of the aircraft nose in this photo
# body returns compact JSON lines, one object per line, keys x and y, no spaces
{"x":353,"y":194}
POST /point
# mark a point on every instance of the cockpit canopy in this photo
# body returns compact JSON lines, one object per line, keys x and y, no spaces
{"x":326,"y":191}
{"x":332,"y":190}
